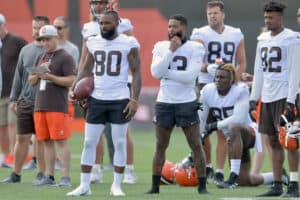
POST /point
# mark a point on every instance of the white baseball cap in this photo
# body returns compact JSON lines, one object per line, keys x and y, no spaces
{"x":47,"y":31}
{"x":2,"y":19}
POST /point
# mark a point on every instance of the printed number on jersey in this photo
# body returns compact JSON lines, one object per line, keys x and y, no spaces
{"x":215,"y":50}
{"x":178,"y":63}
{"x":221,"y":113}
{"x":269,"y":58}
{"x":108,"y":62}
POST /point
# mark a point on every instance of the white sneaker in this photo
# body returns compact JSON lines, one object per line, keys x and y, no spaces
{"x":96,"y":175}
{"x":129,"y":176}
{"x":116,"y":191}
{"x":80,"y":191}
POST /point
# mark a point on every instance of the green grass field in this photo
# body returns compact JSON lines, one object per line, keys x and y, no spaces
{"x":144,"y":147}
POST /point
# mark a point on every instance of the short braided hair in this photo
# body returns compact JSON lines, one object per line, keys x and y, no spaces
{"x":231,"y":69}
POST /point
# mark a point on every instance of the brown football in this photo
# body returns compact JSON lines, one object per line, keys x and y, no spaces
{"x":83,"y":88}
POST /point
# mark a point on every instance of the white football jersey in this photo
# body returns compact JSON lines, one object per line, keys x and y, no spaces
{"x":92,"y":28}
{"x":186,"y":59}
{"x":222,"y":107}
{"x":217,"y":45}
{"x":111,"y":66}
{"x":271,"y":64}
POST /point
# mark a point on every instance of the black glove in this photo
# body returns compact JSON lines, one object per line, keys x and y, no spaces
{"x":209,"y":128}
{"x":290,"y":111}
{"x":252,"y":109}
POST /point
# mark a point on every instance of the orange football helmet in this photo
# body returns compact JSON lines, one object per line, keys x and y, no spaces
{"x":186,"y":176}
{"x":289,"y":135}
{"x":168,"y":173}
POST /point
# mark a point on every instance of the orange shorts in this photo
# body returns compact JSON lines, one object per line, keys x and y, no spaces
{"x":71,"y":109}
{"x":52,"y":125}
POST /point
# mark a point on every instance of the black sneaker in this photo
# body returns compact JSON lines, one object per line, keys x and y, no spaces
{"x":153,"y":190}
{"x":209,"y":172}
{"x":218,"y":177}
{"x":292,"y":190}
{"x":13,"y":178}
{"x":275,"y":191}
{"x":231,"y":182}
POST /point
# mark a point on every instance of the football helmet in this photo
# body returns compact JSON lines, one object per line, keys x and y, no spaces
{"x":97,"y":11}
{"x":168,"y":173}
{"x":187,"y":161}
{"x":289,"y":135}
{"x":186,"y":176}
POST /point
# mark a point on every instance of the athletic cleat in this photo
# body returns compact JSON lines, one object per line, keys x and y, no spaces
{"x":30,"y":166}
{"x":65,"y":181}
{"x":292,"y":190}
{"x":38,"y":179}
{"x":209,"y":172}
{"x":275,"y":191}
{"x":231,"y":183}
{"x":130,"y":176}
{"x":153,"y":190}
{"x":80,"y":191}
{"x":96,"y":175}
{"x":218,"y":177}
{"x":13,"y":178}
{"x":116,"y":191}
{"x":285,"y":177}
{"x":46,"y":181}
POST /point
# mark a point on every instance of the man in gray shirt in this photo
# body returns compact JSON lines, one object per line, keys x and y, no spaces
{"x":22,"y":101}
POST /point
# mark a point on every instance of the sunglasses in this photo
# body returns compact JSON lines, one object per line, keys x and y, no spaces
{"x":60,"y":27}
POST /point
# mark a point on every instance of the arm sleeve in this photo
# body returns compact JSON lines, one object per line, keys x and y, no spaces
{"x":240,"y":112}
{"x":294,"y":71}
{"x":160,"y":62}
{"x":203,"y":113}
{"x":17,"y":82}
{"x":190,"y":74}
{"x":257,"y":78}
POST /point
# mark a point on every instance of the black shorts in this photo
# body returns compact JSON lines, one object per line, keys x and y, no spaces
{"x":269,"y":119}
{"x":25,"y":123}
{"x":180,"y":114}
{"x":103,"y":111}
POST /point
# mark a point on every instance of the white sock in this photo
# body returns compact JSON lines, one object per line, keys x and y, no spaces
{"x":294,"y":176}
{"x":117,"y":179}
{"x":131,"y":167}
{"x":235,"y":165}
{"x":209,"y":165}
{"x":85,"y":179}
{"x":220,"y":171}
{"x":97,"y":166}
{"x":268,"y":178}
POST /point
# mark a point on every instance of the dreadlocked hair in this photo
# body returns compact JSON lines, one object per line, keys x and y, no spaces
{"x":231,"y":69}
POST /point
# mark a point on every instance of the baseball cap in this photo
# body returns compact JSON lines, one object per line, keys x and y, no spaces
{"x":2,"y":19}
{"x":47,"y":31}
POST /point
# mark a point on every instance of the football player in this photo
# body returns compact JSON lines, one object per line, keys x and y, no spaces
{"x":276,"y":81}
{"x":176,"y":63}
{"x":110,"y":57}
{"x":90,"y":29}
{"x":221,"y":42}
{"x":225,"y":108}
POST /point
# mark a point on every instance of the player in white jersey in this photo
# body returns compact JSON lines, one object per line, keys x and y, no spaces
{"x":176,"y":63}
{"x":91,"y":29}
{"x":225,"y":43}
{"x":276,"y":81}
{"x":112,"y":56}
{"x":225,"y":108}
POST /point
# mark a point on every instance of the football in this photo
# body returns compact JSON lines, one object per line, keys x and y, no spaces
{"x":83,"y":88}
